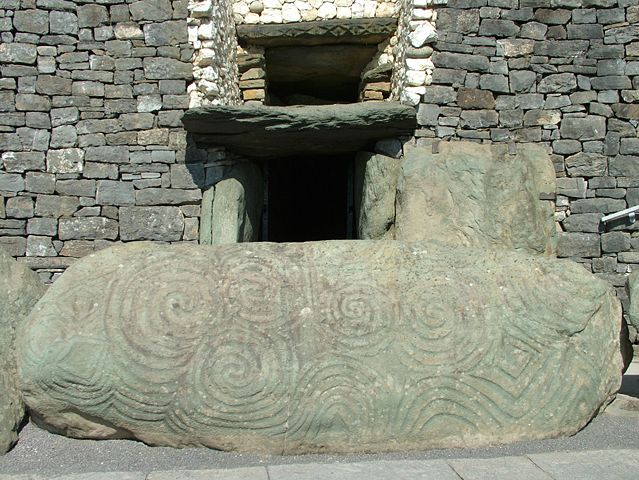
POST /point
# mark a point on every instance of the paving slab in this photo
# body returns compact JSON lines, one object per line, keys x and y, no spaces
{"x":253,"y":473}
{"x":593,"y":465}
{"x":506,"y":468}
{"x":382,"y":470}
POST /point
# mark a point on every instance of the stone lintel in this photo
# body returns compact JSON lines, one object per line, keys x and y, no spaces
{"x":263,"y":132}
{"x":357,"y":30}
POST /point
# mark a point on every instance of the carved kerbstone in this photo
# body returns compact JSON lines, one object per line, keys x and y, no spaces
{"x":326,"y":346}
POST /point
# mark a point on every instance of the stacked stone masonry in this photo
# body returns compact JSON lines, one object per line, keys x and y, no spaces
{"x":563,"y":73}
{"x":93,"y":149}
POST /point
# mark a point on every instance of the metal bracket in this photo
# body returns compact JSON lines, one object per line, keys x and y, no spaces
{"x":628,"y":212}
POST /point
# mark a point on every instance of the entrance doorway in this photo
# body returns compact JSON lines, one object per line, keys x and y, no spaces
{"x":309,"y":199}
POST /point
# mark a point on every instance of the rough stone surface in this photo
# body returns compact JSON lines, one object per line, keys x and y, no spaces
{"x":377,"y":208}
{"x":320,"y":346}
{"x":151,"y":223}
{"x":21,"y":289}
{"x":469,"y":194}
{"x":633,"y":294}
{"x":235,"y":207}
{"x":267,"y":132}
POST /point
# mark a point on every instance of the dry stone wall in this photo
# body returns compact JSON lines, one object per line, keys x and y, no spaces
{"x":562,"y":73}
{"x":93,"y":150}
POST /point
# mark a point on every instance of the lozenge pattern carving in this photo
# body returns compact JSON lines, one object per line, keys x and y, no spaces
{"x":328,"y":346}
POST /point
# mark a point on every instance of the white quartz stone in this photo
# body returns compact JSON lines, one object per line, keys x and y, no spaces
{"x":302,"y":5}
{"x":271,"y":15}
{"x":241,"y":8}
{"x":410,"y":98}
{"x":357,"y":9}
{"x":256,"y":7}
{"x":419,"y":63}
{"x":207,"y":31}
{"x":422,"y":13}
{"x":205,"y":57}
{"x":327,"y":10}
{"x":370,"y":6}
{"x":421,"y":3}
{"x":252,"y":18}
{"x":200,"y":9}
{"x":309,"y":15}
{"x":208,"y":73}
{"x":344,"y":12}
{"x":386,"y":9}
{"x":424,"y":33}
{"x":290,"y":13}
{"x":415,"y":78}
{"x":272,"y":3}
{"x":343,"y":3}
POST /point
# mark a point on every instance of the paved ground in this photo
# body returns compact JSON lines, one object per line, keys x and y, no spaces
{"x":608,"y":448}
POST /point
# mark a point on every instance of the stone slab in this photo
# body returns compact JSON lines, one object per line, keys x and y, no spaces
{"x":250,"y":473}
{"x":341,"y":346}
{"x":370,"y":31}
{"x":593,"y":465}
{"x":262,"y":132}
{"x":470,"y":194}
{"x":379,"y":470}
{"x":501,"y":468}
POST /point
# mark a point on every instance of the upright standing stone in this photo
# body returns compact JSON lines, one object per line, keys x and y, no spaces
{"x":477,"y":195}
{"x":20,"y":290}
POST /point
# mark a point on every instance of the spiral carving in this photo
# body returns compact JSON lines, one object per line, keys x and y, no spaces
{"x":240,"y":379}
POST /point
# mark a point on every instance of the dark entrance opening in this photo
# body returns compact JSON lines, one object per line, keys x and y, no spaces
{"x":309,"y":199}
{"x":316,"y":75}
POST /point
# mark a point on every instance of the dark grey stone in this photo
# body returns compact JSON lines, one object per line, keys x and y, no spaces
{"x":63,"y":22}
{"x":187,"y":176}
{"x":151,"y":10}
{"x":471,"y":98}
{"x":521,"y":80}
{"x":566,"y":147}
{"x":32,"y":21}
{"x":562,"y":48}
{"x":624,"y":165}
{"x":495,"y":83}
{"x":151,"y":223}
{"x":613,"y":242}
{"x":461,"y":61}
{"x":64,"y":116}
{"x":586,"y":165}
{"x":42,"y":226}
{"x":571,"y":187}
{"x":557,"y":83}
{"x":583,"y":222}
{"x":11,"y":182}
{"x":597,"y":205}
{"x":264,"y":131}
{"x":479,"y":118}
{"x":63,"y":137}
{"x":458,"y":20}
{"x":108,"y":154}
{"x":80,"y":188}
{"x":611,"y":82}
{"x":585,"y":31}
{"x":92,"y":16}
{"x":87,"y":228}
{"x":583,"y":128}
{"x":427,"y":115}
{"x":167,"y":68}
{"x":498,"y":28}
{"x":19,"y":162}
{"x":111,"y":192}
{"x":56,"y":206}
{"x":629,"y":146}
{"x":166,"y":196}
{"x":578,"y":245}
{"x":19,"y":207}
{"x":37,"y":182}
{"x":17,"y":53}
{"x":166,"y":33}
{"x":31,"y":102}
